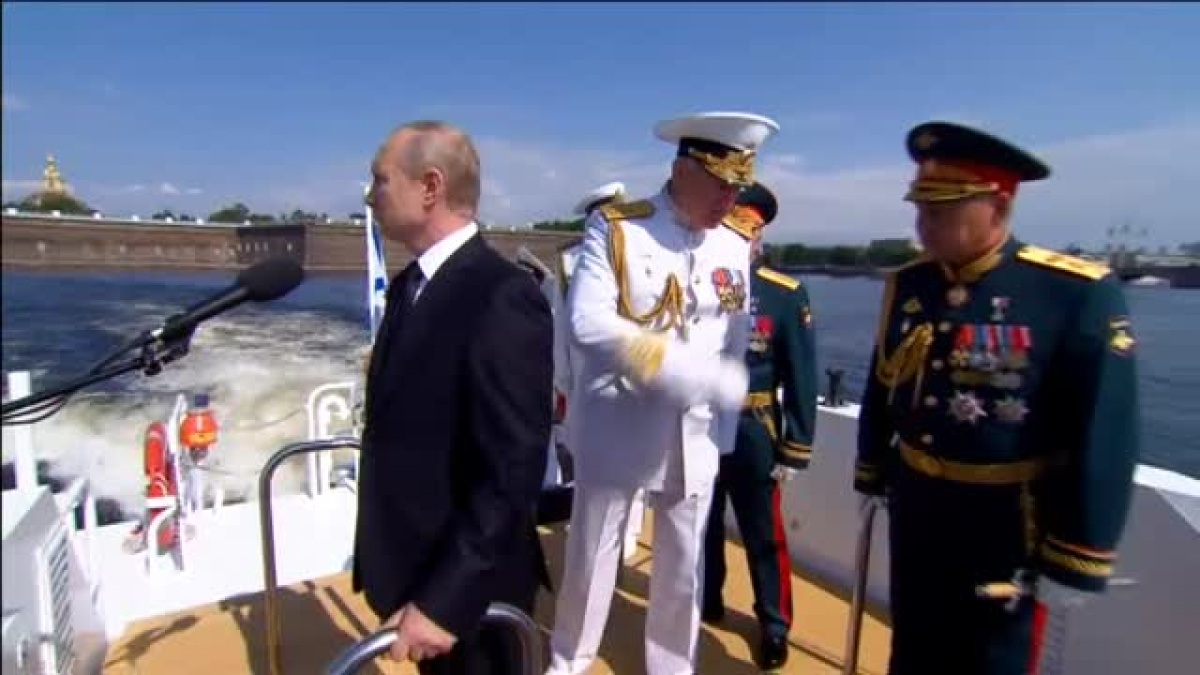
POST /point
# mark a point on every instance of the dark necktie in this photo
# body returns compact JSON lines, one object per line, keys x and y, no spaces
{"x":401,"y":294}
{"x":410,"y":281}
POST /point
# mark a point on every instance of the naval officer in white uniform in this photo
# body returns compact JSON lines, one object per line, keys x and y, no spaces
{"x":658,"y":311}
{"x":566,"y":355}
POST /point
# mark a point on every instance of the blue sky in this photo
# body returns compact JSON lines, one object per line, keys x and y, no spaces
{"x":192,"y":106}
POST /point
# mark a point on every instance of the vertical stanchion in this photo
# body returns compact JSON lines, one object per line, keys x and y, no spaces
{"x":862,"y":566}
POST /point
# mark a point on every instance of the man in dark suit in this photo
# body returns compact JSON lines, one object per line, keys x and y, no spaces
{"x":457,"y":414}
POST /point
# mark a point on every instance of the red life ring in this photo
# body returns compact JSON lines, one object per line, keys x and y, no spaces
{"x":161,"y":490}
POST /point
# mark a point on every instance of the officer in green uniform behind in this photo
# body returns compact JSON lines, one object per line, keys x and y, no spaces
{"x":782,"y":353}
{"x":1000,"y":420}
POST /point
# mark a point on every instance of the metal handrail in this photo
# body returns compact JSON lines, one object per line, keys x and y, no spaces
{"x":858,"y":596}
{"x":498,"y":613}
{"x":270,"y":580}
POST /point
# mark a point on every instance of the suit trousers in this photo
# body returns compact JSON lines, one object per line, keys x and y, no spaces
{"x":598,"y":521}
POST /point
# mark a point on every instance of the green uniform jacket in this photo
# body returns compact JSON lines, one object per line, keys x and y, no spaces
{"x":782,"y":353}
{"x":1016,"y":373}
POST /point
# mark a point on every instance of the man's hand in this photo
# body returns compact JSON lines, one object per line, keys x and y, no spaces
{"x":783,"y":474}
{"x":417,"y":637}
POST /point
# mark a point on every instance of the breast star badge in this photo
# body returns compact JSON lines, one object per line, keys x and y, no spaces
{"x":1010,"y":409}
{"x":965,"y":407}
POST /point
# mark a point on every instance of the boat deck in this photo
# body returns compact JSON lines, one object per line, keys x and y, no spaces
{"x":322,"y":617}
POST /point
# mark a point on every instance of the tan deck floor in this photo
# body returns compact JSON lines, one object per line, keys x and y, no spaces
{"x":320,"y":618}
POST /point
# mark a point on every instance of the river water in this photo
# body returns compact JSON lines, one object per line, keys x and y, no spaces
{"x":259,"y":363}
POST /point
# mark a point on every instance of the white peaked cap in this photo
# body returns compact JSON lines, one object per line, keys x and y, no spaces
{"x":737,"y":130}
{"x":607,"y":191}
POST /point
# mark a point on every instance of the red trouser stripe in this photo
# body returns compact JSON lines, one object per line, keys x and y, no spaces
{"x":1039,"y":632}
{"x":781,"y":552}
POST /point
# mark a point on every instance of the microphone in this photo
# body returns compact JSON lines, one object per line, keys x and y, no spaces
{"x":270,"y":279}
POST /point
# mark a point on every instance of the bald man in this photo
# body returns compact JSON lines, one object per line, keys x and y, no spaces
{"x":457,"y":421}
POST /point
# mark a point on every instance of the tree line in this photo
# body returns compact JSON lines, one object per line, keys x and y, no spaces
{"x":884,"y":253}
{"x":235,"y":213}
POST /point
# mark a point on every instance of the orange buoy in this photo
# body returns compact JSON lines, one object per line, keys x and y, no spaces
{"x":198,"y":430}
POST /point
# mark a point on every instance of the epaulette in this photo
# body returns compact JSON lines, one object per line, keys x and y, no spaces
{"x":642,"y":208}
{"x":740,"y":227}
{"x":781,"y":279}
{"x":1062,"y":262}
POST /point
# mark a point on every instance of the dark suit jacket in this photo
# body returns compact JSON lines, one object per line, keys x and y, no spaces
{"x":454,"y":448}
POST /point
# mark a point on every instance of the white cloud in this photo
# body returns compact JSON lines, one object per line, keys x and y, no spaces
{"x":1145,"y":175}
{"x":193,"y":191}
{"x":168,"y":189}
{"x":12,"y":102}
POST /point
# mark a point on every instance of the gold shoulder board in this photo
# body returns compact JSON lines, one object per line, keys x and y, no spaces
{"x":781,"y":279}
{"x":741,"y":227}
{"x":1062,"y":262}
{"x":627,"y":211}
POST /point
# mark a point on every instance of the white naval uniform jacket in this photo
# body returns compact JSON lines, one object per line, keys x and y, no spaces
{"x":663,"y":436}
{"x":566,"y":354}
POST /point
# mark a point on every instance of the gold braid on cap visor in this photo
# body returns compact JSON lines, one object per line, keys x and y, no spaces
{"x":736,"y":168}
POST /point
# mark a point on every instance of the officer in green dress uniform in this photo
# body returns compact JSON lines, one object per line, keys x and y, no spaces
{"x":782,"y":353}
{"x":1000,"y":420}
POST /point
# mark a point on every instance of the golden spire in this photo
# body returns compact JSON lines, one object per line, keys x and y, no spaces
{"x":52,"y":180}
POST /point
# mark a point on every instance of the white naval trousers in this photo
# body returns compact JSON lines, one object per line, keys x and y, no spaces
{"x":598,"y":519}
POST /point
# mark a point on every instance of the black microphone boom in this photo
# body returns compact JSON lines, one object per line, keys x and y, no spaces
{"x":270,"y":279}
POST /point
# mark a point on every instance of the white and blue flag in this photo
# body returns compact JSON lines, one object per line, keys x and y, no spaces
{"x":377,"y":278}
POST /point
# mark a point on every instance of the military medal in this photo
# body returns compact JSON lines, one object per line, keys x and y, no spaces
{"x":965,"y":407}
{"x":1009,"y":409}
{"x":957,"y":295}
{"x":999,"y":306}
{"x":739,"y":290}
{"x":1019,"y":342}
{"x":1006,"y":380}
{"x":764,"y":328}
{"x":722,"y":281}
{"x":960,"y":356}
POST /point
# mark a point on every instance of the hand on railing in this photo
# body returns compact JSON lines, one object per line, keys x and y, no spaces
{"x":499,"y":616}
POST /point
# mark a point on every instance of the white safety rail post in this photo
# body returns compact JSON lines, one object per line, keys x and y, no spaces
{"x":20,"y":384}
{"x":326,"y":405}
{"x":183,"y":480}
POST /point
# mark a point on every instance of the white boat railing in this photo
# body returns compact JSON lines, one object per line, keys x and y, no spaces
{"x":78,"y":494}
{"x":19,"y":384}
{"x":330,"y":409}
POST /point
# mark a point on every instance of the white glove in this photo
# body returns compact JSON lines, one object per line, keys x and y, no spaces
{"x":729,"y":384}
{"x":783,"y":473}
{"x":685,"y":372}
{"x":1053,"y":594}
{"x":879,"y":501}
